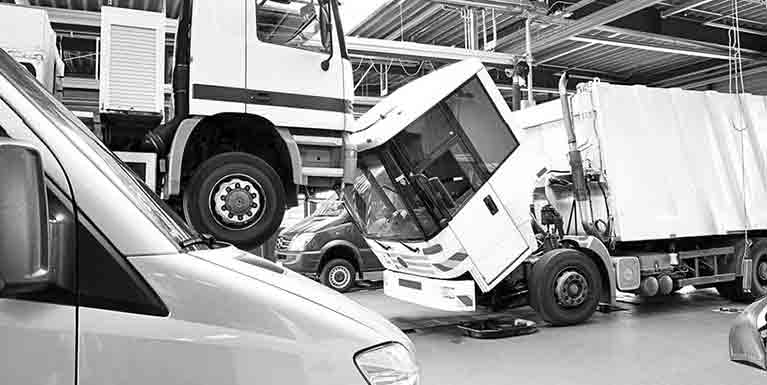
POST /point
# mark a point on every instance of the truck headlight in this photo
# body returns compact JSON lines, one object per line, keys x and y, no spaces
{"x":390,"y":364}
{"x":299,"y":242}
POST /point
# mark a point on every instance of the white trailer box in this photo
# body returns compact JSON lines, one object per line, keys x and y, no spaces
{"x":132,"y":61}
{"x":672,"y":158}
{"x":26,"y":34}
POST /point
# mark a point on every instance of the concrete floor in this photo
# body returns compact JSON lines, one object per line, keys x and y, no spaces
{"x":680,"y":339}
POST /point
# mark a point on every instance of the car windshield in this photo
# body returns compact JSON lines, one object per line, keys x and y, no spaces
{"x":330,"y":208}
{"x":376,"y":204}
{"x":134,"y":189}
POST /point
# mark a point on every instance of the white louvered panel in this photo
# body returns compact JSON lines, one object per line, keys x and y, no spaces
{"x":133,"y":80}
{"x":132,"y":61}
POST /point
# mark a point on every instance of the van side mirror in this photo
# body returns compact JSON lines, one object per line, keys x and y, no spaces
{"x":24,"y":259}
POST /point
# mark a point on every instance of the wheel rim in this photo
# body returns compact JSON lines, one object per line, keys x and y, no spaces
{"x":761,"y":270}
{"x":571,"y":288}
{"x":339,"y":277}
{"x":237,"y":201}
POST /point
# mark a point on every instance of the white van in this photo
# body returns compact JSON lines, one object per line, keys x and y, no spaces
{"x":103,"y":284}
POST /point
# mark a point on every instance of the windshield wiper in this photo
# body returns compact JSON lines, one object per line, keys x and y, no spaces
{"x":412,"y":249}
{"x":385,"y":247}
{"x":204,"y":239}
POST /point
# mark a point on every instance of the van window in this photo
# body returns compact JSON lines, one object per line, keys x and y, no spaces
{"x":106,"y":280}
{"x":298,"y":24}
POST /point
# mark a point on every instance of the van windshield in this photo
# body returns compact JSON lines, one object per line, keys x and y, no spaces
{"x":107,"y":162}
{"x":330,"y":208}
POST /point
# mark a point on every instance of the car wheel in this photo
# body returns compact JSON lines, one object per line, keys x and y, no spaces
{"x":338,"y":274}
{"x":565,"y":286}
{"x":235,"y":197}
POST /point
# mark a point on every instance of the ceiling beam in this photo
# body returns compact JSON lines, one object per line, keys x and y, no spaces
{"x":685,"y":6}
{"x":723,"y":78}
{"x":652,"y":47}
{"x":603,"y":16}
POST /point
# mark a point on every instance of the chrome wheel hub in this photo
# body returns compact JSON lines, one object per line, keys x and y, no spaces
{"x":761,"y":270}
{"x":571,"y":289}
{"x":236,"y":201}
{"x":339,"y":276}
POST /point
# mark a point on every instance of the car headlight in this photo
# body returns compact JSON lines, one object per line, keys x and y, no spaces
{"x":390,"y":364}
{"x":299,"y":242}
{"x":748,"y":336}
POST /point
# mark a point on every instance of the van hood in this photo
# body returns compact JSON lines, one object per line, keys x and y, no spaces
{"x":237,"y":261}
{"x":313,"y":225}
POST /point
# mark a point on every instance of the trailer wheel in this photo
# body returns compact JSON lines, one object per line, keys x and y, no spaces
{"x":338,"y":274}
{"x":565,"y":286}
{"x":734,"y":290}
{"x":235,"y":197}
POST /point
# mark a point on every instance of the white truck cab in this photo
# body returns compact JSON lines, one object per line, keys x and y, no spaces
{"x":262,"y":105}
{"x":427,"y":191}
{"x":100,"y":283}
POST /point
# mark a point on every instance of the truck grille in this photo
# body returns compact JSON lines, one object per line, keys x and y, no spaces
{"x":283,"y":242}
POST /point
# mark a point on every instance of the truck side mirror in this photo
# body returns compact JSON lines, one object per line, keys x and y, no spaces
{"x":441,"y":190}
{"x":24,"y":259}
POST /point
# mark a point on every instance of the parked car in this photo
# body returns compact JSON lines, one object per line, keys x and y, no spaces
{"x":101,"y":283}
{"x":327,"y":245}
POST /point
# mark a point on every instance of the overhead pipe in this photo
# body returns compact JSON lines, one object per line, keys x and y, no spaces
{"x":529,"y":59}
{"x":580,"y":191}
{"x":159,"y":139}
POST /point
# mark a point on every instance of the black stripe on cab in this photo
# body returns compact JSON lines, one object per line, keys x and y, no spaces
{"x":270,"y":98}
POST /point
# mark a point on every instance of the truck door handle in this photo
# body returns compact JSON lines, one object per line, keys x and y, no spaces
{"x":491,"y":206}
{"x":260,"y":97}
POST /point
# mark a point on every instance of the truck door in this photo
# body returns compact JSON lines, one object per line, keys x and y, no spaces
{"x":488,"y":226}
{"x":38,"y":330}
{"x":286,"y":49}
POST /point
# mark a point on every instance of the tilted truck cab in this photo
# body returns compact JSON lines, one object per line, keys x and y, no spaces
{"x":559,"y":205}
{"x":262,"y":100}
{"x":101,"y":283}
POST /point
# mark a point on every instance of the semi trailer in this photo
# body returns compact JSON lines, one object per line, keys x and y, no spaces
{"x":261,"y":104}
{"x":561,"y":205}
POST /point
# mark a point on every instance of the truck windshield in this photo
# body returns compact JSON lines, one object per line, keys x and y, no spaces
{"x":383,"y":209}
{"x":61,"y":118}
{"x":438,"y":162}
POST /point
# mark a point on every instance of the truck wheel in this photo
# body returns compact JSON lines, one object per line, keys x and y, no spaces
{"x":235,"y":197}
{"x":565,"y":286}
{"x":734,"y":290}
{"x":338,"y":274}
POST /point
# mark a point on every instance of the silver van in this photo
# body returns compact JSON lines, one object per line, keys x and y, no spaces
{"x":103,"y":284}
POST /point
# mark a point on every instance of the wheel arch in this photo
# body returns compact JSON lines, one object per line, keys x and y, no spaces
{"x":186,"y":152}
{"x":598,"y":253}
{"x":335,"y":249}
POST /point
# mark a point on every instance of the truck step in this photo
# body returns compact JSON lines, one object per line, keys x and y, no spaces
{"x":322,"y":141}
{"x":323,"y":172}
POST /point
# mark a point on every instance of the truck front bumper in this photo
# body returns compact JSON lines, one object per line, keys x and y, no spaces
{"x":434,"y":293}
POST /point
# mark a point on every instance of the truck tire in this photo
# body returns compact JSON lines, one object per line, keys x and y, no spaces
{"x":237,"y":198}
{"x":565,"y":286}
{"x":338,"y":274}
{"x":734,"y":290}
